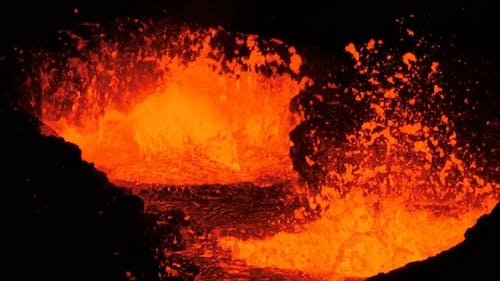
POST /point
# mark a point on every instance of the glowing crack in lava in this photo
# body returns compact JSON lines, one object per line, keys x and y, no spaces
{"x":175,"y":105}
{"x":172,"y":106}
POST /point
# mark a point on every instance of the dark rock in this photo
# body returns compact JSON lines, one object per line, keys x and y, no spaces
{"x":63,"y":219}
{"x":476,"y":258}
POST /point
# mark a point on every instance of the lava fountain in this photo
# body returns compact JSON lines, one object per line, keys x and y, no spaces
{"x":174,"y":105}
{"x":380,"y":156}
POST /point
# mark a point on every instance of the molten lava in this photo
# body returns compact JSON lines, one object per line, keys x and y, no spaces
{"x":396,"y":191}
{"x":360,"y":235}
{"x":173,"y":108}
{"x":160,"y":104}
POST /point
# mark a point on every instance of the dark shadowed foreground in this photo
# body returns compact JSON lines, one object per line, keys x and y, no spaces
{"x":64,"y":220}
{"x":474,"y":259}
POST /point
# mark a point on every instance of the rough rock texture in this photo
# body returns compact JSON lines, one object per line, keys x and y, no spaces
{"x":63,"y":220}
{"x":475,"y":259}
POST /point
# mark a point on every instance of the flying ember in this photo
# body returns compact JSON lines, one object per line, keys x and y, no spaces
{"x":393,"y":181}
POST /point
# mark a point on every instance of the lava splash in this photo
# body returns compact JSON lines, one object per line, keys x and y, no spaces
{"x":395,"y":186}
{"x":174,"y":104}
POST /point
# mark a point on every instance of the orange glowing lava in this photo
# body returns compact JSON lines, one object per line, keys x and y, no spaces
{"x":360,"y":235}
{"x":171,"y":105}
{"x":402,"y":193}
{"x":173,"y":108}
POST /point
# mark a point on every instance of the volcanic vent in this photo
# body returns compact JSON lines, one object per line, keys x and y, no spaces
{"x":278,"y":169}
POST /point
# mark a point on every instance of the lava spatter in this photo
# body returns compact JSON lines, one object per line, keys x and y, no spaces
{"x":158,"y":103}
{"x":385,"y":184}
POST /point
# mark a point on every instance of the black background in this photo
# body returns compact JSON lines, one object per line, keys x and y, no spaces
{"x":474,"y":26}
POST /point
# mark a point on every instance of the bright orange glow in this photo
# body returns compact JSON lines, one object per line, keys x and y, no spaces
{"x":403,"y":193}
{"x":187,"y":106}
{"x":360,"y":236}
{"x":208,"y":119}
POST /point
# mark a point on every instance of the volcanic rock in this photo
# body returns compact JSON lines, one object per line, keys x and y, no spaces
{"x":476,"y":258}
{"x":63,"y":219}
